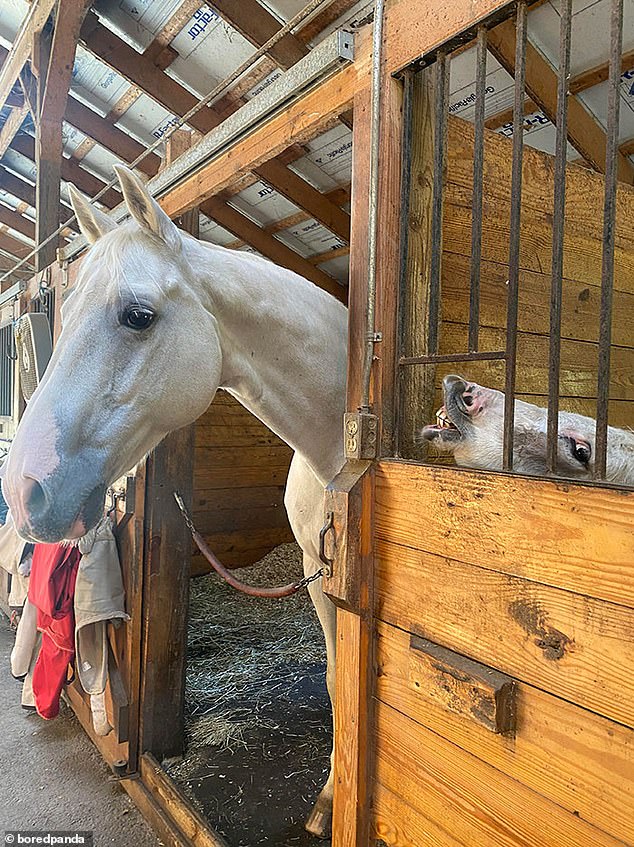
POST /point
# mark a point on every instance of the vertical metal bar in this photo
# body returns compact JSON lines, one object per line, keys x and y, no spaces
{"x":559,"y":203}
{"x":406,"y":184}
{"x":476,"y":203}
{"x":514,"y":246}
{"x":440,"y":123}
{"x":609,"y":226}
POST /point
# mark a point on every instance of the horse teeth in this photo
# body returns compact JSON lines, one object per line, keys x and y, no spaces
{"x":442,"y":419}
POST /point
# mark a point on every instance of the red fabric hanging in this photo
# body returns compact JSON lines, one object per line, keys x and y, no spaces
{"x":52,"y":590}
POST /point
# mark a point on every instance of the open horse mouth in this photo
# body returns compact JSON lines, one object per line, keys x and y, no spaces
{"x":443,"y":421}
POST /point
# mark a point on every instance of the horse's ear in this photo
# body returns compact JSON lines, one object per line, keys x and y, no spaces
{"x":92,"y":221}
{"x":144,"y":208}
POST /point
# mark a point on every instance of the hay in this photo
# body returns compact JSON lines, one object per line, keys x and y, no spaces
{"x":244,"y":654}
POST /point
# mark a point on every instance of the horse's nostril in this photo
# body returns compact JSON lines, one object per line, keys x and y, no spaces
{"x":467,"y":399}
{"x":36,"y":499}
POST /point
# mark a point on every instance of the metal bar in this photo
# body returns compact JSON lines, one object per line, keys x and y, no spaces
{"x":305,"y":12}
{"x":452,"y":357}
{"x":609,"y":227}
{"x":375,"y":140}
{"x":440,"y":124}
{"x":559,"y":205}
{"x":514,"y":246}
{"x":476,"y":202}
{"x":406,"y":187}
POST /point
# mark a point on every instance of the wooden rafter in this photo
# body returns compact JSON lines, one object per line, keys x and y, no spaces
{"x":316,"y":112}
{"x":21,"y":48}
{"x":326,"y":18}
{"x":584,"y":133}
{"x":249,"y":232}
{"x":25,"y":192}
{"x":139,"y":70}
{"x":12,"y":126}
{"x":13,"y":246}
{"x":257,"y":25}
{"x":17,"y":222}
{"x":71,"y":172}
{"x":594,"y":76}
{"x":339,"y":196}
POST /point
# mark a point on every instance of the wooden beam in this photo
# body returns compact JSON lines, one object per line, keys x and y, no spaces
{"x":109,"y":136}
{"x":16,"y":221}
{"x":323,"y":19}
{"x":14,"y":246}
{"x":594,"y":76}
{"x":584,"y":133}
{"x":12,"y":126}
{"x":71,"y":171}
{"x":21,"y":48}
{"x":257,"y":25}
{"x":139,"y":70}
{"x":506,"y":115}
{"x":53,"y":55}
{"x":627,"y":148}
{"x":298,"y":191}
{"x":339,"y":196}
{"x":327,"y":255}
{"x":25,"y":192}
{"x":314,"y":113}
{"x":275,"y":250}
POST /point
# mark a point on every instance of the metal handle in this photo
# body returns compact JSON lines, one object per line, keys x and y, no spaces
{"x":330,"y":524}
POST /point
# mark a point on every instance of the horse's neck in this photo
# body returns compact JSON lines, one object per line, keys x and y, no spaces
{"x":284,"y":345}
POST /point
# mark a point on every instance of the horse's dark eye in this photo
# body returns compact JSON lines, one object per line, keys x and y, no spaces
{"x":581,"y":451}
{"x":138,"y":317}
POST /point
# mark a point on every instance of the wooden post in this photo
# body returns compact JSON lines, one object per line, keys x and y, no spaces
{"x":170,"y":467}
{"x":53,"y":58}
{"x":417,"y":382}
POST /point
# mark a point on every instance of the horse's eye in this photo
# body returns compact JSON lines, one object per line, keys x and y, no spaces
{"x":581,"y":451}
{"x":137,"y":317}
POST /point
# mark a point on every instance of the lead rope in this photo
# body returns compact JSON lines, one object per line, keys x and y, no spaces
{"x":221,"y":570}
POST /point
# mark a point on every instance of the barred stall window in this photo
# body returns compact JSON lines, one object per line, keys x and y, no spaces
{"x":516,"y":249}
{"x":7,"y":369}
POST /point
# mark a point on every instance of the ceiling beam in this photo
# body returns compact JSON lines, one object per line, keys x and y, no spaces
{"x":298,"y":191}
{"x":71,"y":171}
{"x":25,"y":192}
{"x":594,"y":76}
{"x":14,"y":246}
{"x":584,"y":133}
{"x":323,"y":19}
{"x":37,"y":16}
{"x":17,"y":222}
{"x":109,"y":136}
{"x":12,"y":126}
{"x":316,"y":112}
{"x":339,"y":196}
{"x":257,"y":25}
{"x":249,"y":232}
{"x":139,"y":70}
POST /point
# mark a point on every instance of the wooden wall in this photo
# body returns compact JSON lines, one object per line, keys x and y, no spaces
{"x":533,"y":583}
{"x":240,"y":470}
{"x":582,"y":276}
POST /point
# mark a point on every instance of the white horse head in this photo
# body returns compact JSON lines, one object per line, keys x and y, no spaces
{"x":156,"y":323}
{"x":138,"y":356}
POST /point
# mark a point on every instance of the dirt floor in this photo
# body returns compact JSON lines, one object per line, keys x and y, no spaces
{"x":258,"y":715}
{"x":53,"y":778}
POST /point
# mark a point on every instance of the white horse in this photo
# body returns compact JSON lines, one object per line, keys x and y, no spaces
{"x":156,"y":323}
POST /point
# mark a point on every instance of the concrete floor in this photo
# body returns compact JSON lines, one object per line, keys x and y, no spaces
{"x":51,"y":776}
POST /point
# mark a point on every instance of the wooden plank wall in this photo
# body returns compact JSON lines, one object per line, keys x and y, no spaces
{"x":240,"y":470}
{"x":582,"y":276}
{"x":531,"y":579}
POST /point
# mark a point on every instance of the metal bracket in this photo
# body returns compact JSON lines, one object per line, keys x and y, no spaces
{"x":323,"y":532}
{"x":360,"y":435}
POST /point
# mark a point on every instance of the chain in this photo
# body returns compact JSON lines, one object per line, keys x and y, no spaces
{"x":306,"y":581}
